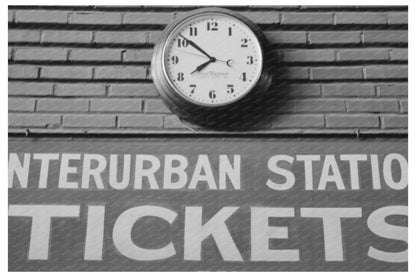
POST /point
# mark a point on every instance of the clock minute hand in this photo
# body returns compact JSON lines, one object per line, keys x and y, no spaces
{"x":196,"y":47}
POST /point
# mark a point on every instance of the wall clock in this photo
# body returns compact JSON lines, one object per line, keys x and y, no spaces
{"x":209,"y":61}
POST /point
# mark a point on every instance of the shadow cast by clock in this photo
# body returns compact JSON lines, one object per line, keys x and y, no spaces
{"x":253,"y":113}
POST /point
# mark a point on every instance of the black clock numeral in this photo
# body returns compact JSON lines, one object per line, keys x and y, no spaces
{"x":212,"y":26}
{"x":230,"y":31}
{"x":175,"y":59}
{"x":230,"y":89}
{"x":212,"y":94}
{"x":180,"y":77}
{"x":182,"y":43}
{"x":193,"y":31}
{"x":244,"y":42}
{"x":193,"y":87}
{"x":243,"y":76}
{"x":250,"y":60}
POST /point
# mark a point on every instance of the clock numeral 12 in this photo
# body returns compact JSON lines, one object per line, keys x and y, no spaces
{"x":230,"y":31}
{"x":212,"y":94}
{"x":212,"y":26}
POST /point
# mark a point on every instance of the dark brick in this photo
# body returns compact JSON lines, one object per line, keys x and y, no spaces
{"x":132,"y":90}
{"x":399,"y":54}
{"x":23,"y":71}
{"x":397,"y":18}
{"x":385,"y":36}
{"x":352,"y":121}
{"x":63,"y":36}
{"x":337,"y":73}
{"x":140,"y":120}
{"x":308,"y":18}
{"x":292,"y":73}
{"x":89,"y":121}
{"x":116,"y":105}
{"x":127,"y":37}
{"x":41,"y":54}
{"x":366,"y":18}
{"x":120,"y":72}
{"x":393,"y":90}
{"x":66,"y":72}
{"x":367,"y":105}
{"x":21,"y":104}
{"x":24,"y":36}
{"x":151,"y":18}
{"x":81,"y":89}
{"x":34,"y":120}
{"x":80,"y":54}
{"x":348,"y":90}
{"x":319,"y":105}
{"x":386,"y":72}
{"x":310,"y":55}
{"x":299,"y":121}
{"x":141,"y":55}
{"x":95,"y":18}
{"x":62,"y":105}
{"x":404,"y":106}
{"x":10,"y":15}
{"x":331,"y":37}
{"x":363,"y":54}
{"x":299,"y":90}
{"x":263,"y":17}
{"x":30,"y":89}
{"x":156,"y":106}
{"x":395,"y":121}
{"x":286,"y":37}
{"x":41,"y":16}
{"x":173,"y":122}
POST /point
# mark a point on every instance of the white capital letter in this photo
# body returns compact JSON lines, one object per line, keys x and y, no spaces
{"x":122,"y":233}
{"x":22,"y":171}
{"x":287,"y":174}
{"x":261,"y":233}
{"x":179,"y":170}
{"x":41,"y":224}
{"x":378,"y":225}
{"x":331,"y":218}
{"x":196,"y":232}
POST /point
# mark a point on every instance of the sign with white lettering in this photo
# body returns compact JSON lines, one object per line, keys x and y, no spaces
{"x":207,"y":204}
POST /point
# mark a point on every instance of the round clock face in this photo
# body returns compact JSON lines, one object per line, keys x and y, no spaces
{"x":212,"y":59}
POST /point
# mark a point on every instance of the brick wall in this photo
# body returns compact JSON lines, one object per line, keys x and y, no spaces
{"x":87,"y":69}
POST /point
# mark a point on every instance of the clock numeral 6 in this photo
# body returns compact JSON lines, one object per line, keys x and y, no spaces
{"x":193,"y":87}
{"x":182,"y":43}
{"x":250,"y":60}
{"x":175,"y":59}
{"x":243,"y":76}
{"x":180,"y":77}
{"x":230,"y":88}
{"x":244,"y":42}
{"x":212,"y":26}
{"x":212,"y":94}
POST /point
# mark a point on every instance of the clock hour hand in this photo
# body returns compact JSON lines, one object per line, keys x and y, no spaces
{"x":196,"y":47}
{"x":201,"y":66}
